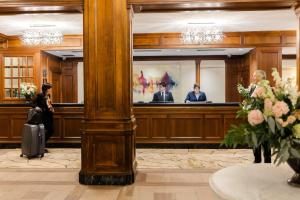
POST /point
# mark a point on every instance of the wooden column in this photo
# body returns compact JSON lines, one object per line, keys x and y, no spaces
{"x":108,"y":134}
{"x":198,"y":64}
{"x":297,"y":11}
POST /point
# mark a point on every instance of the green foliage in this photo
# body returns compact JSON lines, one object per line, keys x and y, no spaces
{"x":298,"y":103}
{"x":243,"y":92}
{"x":235,"y":136}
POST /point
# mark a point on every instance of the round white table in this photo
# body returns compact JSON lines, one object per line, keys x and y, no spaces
{"x":254,"y":182}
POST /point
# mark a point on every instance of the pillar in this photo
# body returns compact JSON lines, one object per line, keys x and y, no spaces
{"x":108,"y":134}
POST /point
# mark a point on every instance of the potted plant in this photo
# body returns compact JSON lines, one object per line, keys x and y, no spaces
{"x":28,"y":90}
{"x":272,"y":115}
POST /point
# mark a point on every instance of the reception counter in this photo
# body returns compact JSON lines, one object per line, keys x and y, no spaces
{"x":203,"y":123}
{"x":183,"y":123}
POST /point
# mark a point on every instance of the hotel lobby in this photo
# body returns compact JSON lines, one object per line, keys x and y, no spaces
{"x":124,"y":124}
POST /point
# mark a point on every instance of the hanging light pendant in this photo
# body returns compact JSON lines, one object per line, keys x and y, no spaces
{"x":198,"y":34}
{"x":37,"y":37}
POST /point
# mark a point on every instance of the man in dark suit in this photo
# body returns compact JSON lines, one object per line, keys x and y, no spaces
{"x":163,"y":95}
{"x":258,"y":76}
{"x":195,"y":95}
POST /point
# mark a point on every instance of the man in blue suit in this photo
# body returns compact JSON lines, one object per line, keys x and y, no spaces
{"x":195,"y":95}
{"x":163,"y":95}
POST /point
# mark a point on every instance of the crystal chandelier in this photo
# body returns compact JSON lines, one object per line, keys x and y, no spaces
{"x":41,"y":37}
{"x":196,"y":33}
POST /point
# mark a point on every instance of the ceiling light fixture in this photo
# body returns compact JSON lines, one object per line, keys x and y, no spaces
{"x":41,"y":37}
{"x":202,"y":33}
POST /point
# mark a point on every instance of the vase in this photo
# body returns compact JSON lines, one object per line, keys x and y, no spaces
{"x":294,"y":163}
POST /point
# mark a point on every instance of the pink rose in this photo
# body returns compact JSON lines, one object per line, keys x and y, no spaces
{"x":291,"y":119}
{"x":258,"y":92}
{"x":255,"y":117}
{"x":280,"y":108}
{"x":268,"y":105}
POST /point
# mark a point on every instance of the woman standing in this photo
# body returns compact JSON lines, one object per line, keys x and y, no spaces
{"x":42,"y":103}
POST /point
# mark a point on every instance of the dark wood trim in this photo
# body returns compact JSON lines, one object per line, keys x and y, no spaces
{"x":35,"y":6}
{"x":289,"y":57}
{"x":198,"y":65}
{"x":161,"y":58}
{"x":189,"y":5}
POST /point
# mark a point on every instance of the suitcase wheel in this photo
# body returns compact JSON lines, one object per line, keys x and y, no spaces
{"x":21,"y":155}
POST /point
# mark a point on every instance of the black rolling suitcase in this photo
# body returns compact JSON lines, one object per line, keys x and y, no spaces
{"x":33,"y":142}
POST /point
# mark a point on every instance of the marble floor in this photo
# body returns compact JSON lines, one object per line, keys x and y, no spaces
{"x":146,"y":158}
{"x":163,"y":174}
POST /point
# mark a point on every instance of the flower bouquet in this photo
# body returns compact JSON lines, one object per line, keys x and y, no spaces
{"x":270,"y":115}
{"x":28,"y":90}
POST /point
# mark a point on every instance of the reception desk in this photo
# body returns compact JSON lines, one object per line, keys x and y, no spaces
{"x":156,"y":123}
{"x":184,"y":123}
{"x":67,"y":122}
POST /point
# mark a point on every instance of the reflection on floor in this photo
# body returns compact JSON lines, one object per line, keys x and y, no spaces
{"x":163,"y":174}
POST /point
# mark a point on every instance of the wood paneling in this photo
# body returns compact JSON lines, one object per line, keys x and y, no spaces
{"x":5,"y":127}
{"x":155,"y":124}
{"x":160,"y":126}
{"x":214,"y":127}
{"x":66,"y":124}
{"x":236,"y":72}
{"x":63,"y":75}
{"x":266,"y":58}
{"x":144,"y":127}
{"x":69,"y":82}
{"x":186,"y":127}
{"x":232,"y":39}
{"x":170,"y":124}
{"x":71,"y":127}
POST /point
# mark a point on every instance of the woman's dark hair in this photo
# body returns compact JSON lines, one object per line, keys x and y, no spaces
{"x":196,"y":86}
{"x":46,"y":86}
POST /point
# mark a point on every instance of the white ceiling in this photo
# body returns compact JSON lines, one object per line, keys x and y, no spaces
{"x":67,"y":53}
{"x":66,"y":23}
{"x":161,"y":22}
{"x":229,"y":20}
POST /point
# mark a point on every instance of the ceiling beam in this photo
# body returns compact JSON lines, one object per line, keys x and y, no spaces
{"x":190,"y":5}
{"x":35,"y":6}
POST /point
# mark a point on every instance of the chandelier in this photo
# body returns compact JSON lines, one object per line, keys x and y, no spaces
{"x":196,"y":33}
{"x":41,"y":37}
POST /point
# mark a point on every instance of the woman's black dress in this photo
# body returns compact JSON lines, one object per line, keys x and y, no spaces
{"x":47,"y":116}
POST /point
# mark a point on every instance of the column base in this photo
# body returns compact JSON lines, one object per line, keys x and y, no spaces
{"x":106,"y":179}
